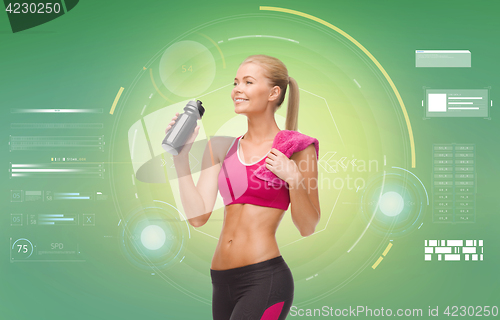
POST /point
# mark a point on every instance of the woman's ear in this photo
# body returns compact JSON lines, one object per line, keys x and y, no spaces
{"x":274,"y":94}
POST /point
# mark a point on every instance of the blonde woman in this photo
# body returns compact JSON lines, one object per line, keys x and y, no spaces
{"x":249,"y":276}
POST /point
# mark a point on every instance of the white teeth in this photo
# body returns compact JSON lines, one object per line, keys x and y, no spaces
{"x":240,"y":99}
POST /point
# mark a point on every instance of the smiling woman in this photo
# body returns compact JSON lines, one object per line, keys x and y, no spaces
{"x":250,"y":278}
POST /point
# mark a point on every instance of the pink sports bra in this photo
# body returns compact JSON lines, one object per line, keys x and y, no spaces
{"x":238,"y":184}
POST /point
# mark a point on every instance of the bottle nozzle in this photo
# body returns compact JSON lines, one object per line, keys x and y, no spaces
{"x":201,"y":110}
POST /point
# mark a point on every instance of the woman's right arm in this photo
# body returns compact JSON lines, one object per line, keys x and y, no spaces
{"x":198,"y":200}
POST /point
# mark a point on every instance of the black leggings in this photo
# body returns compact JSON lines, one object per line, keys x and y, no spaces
{"x":262,"y":290}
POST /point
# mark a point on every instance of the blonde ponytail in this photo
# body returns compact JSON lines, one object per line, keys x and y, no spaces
{"x":292,"y":112}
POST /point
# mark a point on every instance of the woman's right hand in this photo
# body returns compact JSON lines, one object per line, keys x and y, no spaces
{"x":187,"y":146}
{"x":172,"y":122}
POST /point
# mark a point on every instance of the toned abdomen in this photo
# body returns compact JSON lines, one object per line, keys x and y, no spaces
{"x":248,"y":236}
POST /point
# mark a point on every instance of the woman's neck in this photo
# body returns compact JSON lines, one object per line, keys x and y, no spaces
{"x":261,"y":128}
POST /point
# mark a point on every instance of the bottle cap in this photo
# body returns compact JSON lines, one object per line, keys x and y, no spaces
{"x":201,"y":110}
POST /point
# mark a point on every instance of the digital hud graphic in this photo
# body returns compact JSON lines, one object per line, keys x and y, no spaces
{"x":401,"y":96}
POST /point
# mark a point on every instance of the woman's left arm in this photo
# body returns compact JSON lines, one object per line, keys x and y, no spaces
{"x":301,"y":173}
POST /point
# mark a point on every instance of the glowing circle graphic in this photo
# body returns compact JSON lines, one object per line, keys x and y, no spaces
{"x":391,"y":203}
{"x":187,"y":68}
{"x":153,"y":237}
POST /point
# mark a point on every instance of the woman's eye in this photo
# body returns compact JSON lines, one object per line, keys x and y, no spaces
{"x":234,"y":83}
{"x":248,"y":82}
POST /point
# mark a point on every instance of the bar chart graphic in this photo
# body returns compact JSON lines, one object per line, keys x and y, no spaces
{"x":57,"y":219}
{"x":37,"y":143}
{"x":57,"y":170}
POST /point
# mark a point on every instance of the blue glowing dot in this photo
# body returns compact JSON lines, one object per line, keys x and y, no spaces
{"x":153,"y":237}
{"x":391,"y":203}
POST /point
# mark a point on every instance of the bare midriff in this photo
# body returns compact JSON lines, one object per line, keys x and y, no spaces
{"x":248,"y":236}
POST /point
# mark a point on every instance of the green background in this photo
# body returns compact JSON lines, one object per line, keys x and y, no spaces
{"x":81,"y":59}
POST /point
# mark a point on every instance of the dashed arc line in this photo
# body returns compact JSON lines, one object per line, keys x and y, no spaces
{"x":383,"y":254}
{"x":118,"y":95}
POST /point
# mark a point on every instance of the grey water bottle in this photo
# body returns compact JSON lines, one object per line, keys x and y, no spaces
{"x":183,"y":127}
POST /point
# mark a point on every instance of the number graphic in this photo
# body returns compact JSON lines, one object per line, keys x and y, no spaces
{"x":29,"y":14}
{"x":190,"y":68}
{"x":21,"y":249}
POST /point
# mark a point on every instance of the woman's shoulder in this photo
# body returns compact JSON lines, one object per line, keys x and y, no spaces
{"x":290,"y":142}
{"x":220,"y":145}
{"x":291,"y":134}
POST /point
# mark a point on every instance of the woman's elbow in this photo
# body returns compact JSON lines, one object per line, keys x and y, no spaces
{"x":306,"y":233}
{"x":194,"y":223}
{"x":199,"y":221}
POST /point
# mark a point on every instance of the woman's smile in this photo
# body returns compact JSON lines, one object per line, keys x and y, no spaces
{"x":240,"y":100}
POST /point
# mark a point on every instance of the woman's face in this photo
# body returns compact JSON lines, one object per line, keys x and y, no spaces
{"x":252,"y":92}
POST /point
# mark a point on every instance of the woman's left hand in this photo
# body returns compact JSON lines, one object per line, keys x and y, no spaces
{"x":281,"y":166}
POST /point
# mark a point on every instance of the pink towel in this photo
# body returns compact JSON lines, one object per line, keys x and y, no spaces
{"x":288,"y":142}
